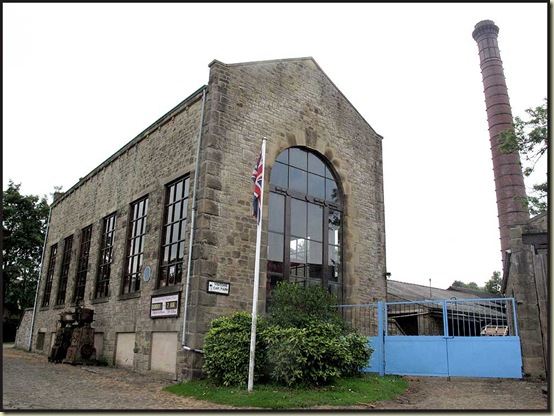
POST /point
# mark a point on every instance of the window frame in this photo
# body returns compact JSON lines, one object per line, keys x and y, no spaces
{"x":164,"y":266}
{"x":49,"y":276}
{"x":82,"y":264}
{"x":64,"y":271}
{"x":107,"y":243}
{"x":327,"y":205}
{"x":130,"y":282}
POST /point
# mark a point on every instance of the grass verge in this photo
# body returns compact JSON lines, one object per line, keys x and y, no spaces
{"x":344,"y":392}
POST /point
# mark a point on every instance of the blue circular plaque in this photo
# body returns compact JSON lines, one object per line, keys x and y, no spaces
{"x":146,"y":273}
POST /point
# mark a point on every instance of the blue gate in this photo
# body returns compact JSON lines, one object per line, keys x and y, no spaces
{"x":469,"y":338}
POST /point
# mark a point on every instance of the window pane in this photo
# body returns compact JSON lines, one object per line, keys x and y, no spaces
{"x":283,"y":157}
{"x":315,"y":222}
{"x":334,"y":225}
{"x":297,"y":250}
{"x":334,"y":263}
{"x":331,"y":190}
{"x":298,"y":180}
{"x":173,"y":254}
{"x":277,"y":213}
{"x":316,"y":186}
{"x":298,"y":269}
{"x":298,"y":158}
{"x":279,"y":175}
{"x":187,"y":185}
{"x":315,"y":165}
{"x":274,"y":268}
{"x":298,"y":218}
{"x":276,"y":246}
{"x":315,"y":253}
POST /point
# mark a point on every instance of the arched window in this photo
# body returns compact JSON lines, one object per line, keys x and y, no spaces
{"x":305,"y":222}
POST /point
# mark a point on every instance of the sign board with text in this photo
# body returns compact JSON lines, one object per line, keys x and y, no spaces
{"x":221,"y":288}
{"x":164,"y":306}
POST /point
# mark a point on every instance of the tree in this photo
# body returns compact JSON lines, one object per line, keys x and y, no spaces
{"x":470,"y":285}
{"x":530,"y":139}
{"x":24,"y":228}
{"x":494,"y":284}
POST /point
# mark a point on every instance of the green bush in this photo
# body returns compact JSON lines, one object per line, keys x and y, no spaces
{"x":297,"y":306}
{"x":227,"y":349}
{"x":359,"y":353}
{"x":314,"y":355}
{"x":303,"y":341}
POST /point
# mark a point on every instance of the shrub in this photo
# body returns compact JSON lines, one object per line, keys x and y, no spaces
{"x":314,"y":355}
{"x":227,"y":349}
{"x":359,"y":353}
{"x":303,"y":341}
{"x":297,"y":306}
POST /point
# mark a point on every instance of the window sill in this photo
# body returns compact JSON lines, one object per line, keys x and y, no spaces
{"x":168,"y":289}
{"x":59,"y":306}
{"x":100,"y":300}
{"x":131,"y":295}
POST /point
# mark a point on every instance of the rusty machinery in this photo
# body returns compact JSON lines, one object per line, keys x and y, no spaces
{"x":74,"y":343}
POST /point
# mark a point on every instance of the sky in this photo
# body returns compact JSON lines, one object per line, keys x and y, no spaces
{"x":81,"y":80}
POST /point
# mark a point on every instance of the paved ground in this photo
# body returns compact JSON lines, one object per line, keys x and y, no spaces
{"x":30,"y":382}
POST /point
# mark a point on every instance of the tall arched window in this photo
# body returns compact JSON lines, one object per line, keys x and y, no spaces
{"x":305,"y":222}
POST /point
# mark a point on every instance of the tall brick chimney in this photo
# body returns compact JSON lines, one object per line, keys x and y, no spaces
{"x":508,"y":176}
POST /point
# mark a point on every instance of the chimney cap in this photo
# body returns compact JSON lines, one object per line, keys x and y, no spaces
{"x":485,"y":27}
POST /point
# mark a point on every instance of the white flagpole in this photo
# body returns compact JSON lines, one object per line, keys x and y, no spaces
{"x":256,"y":278}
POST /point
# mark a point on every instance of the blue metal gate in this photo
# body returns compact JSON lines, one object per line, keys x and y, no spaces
{"x":469,"y":338}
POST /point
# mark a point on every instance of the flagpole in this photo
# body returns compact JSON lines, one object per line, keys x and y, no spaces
{"x":256,"y":278}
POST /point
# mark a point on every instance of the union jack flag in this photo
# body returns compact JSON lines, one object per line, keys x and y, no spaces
{"x":257,"y":178}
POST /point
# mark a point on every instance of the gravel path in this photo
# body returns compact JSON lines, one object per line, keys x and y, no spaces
{"x":30,"y":382}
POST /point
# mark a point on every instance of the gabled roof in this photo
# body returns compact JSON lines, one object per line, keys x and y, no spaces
{"x":307,"y":58}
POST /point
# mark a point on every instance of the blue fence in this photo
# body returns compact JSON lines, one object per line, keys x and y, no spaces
{"x":468,"y":337}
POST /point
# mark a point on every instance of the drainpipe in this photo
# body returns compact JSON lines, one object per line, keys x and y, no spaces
{"x":193,"y":214}
{"x":39,"y":277}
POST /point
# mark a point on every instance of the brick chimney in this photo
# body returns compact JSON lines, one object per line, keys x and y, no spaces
{"x":508,"y":176}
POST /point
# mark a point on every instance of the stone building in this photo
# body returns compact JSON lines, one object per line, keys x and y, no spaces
{"x":160,"y":239}
{"x":526,"y":280}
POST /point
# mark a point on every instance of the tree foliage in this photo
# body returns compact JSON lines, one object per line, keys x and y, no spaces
{"x":23,"y":227}
{"x":470,"y":285}
{"x":294,"y":305}
{"x":494,"y":284}
{"x":530,"y":138}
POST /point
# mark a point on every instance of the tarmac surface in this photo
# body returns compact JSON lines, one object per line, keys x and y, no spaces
{"x":32,"y":383}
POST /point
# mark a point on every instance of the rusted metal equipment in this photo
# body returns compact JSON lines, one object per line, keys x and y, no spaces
{"x":74,"y":343}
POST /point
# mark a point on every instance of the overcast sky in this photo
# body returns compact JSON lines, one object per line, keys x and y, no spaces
{"x":80,"y":80}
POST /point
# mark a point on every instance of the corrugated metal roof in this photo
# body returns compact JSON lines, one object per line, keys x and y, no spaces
{"x":401,"y":291}
{"x":409,"y":292}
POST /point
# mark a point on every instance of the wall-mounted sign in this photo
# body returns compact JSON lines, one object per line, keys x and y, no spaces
{"x":164,"y":306}
{"x":146,"y":273}
{"x":221,"y":288}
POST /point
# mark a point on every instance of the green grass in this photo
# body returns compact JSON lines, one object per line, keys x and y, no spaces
{"x":343,"y":392}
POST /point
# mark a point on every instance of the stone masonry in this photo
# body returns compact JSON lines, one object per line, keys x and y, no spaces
{"x":291,"y":102}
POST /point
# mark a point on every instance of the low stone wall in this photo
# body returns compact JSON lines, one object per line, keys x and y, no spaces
{"x":24,"y":330}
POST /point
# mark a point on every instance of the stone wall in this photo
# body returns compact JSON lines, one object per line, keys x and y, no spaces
{"x":527,"y":282}
{"x":24,"y":330}
{"x":163,"y":152}
{"x":292,"y":103}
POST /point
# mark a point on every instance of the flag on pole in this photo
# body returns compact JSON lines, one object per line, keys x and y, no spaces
{"x":257,"y":178}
